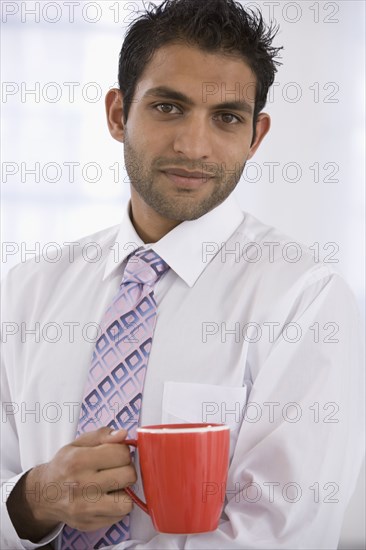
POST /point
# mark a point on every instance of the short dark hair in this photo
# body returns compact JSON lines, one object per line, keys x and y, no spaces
{"x":221,"y":26}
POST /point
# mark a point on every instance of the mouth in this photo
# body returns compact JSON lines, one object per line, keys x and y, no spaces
{"x":189,"y":180}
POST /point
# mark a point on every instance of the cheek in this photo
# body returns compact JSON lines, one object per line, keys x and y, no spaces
{"x":136,"y":135}
{"x":147,"y":139}
{"x":234,"y":156}
{"x":233,"y":147}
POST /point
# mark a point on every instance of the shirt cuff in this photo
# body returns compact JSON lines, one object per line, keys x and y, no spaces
{"x":9,"y":537}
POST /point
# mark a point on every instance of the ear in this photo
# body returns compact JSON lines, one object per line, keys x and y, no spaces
{"x":262,"y":126}
{"x":114,"y":110}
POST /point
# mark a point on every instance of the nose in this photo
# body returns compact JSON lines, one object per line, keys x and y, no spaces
{"x":193,"y":138}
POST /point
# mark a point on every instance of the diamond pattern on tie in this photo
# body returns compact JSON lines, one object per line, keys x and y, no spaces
{"x":113,"y":393}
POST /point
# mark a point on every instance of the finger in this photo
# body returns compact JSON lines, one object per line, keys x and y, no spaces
{"x":116,"y":479}
{"x":100,"y":436}
{"x":100,"y":510}
{"x":107,"y":456}
{"x":93,"y":523}
{"x":116,"y":504}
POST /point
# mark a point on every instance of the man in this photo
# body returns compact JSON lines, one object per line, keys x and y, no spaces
{"x":244,"y":334}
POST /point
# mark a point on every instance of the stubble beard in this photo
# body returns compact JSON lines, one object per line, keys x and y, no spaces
{"x":184,"y":205}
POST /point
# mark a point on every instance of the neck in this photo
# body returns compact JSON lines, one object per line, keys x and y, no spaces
{"x":149,"y":225}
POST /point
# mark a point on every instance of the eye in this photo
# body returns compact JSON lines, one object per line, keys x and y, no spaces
{"x":167,"y":108}
{"x":229,"y":118}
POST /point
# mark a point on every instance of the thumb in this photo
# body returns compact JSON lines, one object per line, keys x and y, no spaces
{"x":100,"y":436}
{"x":116,"y":436}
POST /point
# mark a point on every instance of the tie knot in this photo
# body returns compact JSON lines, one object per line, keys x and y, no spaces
{"x":144,"y":267}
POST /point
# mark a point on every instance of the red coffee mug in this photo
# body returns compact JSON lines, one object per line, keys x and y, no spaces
{"x":184,"y":472}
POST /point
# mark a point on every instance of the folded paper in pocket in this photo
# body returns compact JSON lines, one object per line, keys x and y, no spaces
{"x":191,"y":402}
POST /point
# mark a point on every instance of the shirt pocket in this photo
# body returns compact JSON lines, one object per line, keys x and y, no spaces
{"x":191,"y":403}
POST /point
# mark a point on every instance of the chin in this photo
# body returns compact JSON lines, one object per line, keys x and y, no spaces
{"x":185,"y":214}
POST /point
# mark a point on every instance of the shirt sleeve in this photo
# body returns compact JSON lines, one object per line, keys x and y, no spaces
{"x":11,"y":468}
{"x":300,"y":445}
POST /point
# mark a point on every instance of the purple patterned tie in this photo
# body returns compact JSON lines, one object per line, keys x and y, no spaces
{"x":113,"y":391}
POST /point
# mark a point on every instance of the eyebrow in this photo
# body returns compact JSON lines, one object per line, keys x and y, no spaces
{"x":169,"y":93}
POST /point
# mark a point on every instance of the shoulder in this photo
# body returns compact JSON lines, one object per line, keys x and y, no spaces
{"x":277,"y":264}
{"x":55,"y":266}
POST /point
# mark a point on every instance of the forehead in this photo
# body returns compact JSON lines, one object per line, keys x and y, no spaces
{"x":198,"y":74}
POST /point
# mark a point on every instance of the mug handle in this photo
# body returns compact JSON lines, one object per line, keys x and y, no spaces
{"x":135,"y":498}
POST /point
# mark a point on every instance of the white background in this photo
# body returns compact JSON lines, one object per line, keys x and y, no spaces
{"x":67,"y":53}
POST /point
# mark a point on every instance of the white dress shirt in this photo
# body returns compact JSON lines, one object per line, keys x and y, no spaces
{"x":251,"y":331}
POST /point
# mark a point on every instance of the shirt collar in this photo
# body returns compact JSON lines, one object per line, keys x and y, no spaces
{"x":184,"y":248}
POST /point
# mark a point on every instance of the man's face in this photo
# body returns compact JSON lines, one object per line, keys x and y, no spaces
{"x":178,"y":124}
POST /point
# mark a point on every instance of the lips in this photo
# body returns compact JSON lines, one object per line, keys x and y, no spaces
{"x":186,"y":174}
{"x":185,"y":179}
